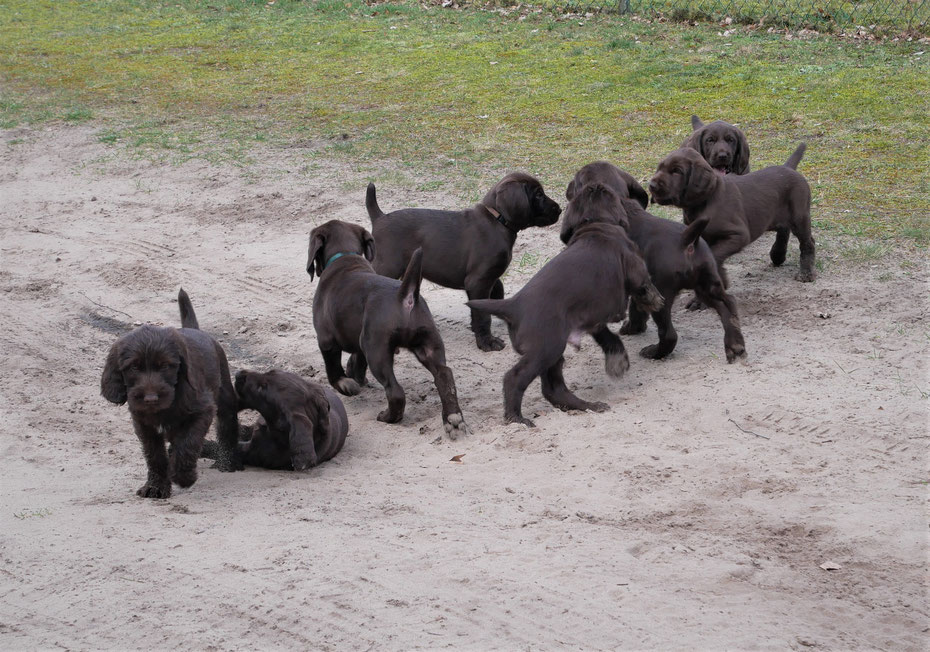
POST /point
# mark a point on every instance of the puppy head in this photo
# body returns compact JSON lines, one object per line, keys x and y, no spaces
{"x":595,"y":202}
{"x":620,"y":181}
{"x":145,"y":368}
{"x":722,"y":145}
{"x":337,"y":237}
{"x":520,"y":199}
{"x":683,"y":179}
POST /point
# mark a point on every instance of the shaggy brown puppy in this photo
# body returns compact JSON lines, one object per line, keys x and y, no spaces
{"x":723,"y":146}
{"x":174,"y":380}
{"x":579,"y":291}
{"x":302,"y":424}
{"x":739,"y":209}
{"x":675,"y":255}
{"x":371,"y":316}
{"x":467,"y":249}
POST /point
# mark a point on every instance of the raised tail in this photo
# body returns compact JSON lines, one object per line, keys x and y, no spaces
{"x":371,"y":203}
{"x":497,"y":307}
{"x":795,"y":158}
{"x":188,"y":317}
{"x":692,"y":232}
{"x":410,"y":281}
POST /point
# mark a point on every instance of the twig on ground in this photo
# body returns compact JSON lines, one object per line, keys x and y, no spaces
{"x":750,"y":432}
{"x":105,"y":306}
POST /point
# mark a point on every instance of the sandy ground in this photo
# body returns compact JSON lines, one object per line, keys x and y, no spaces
{"x":695,"y":514}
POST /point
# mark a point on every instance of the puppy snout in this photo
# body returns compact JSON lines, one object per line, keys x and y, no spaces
{"x":150,"y":398}
{"x":653,"y":186}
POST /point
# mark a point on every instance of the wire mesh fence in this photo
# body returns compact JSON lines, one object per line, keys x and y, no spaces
{"x":900,"y":15}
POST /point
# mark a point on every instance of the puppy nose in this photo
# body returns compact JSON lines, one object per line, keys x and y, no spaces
{"x":150,"y":397}
{"x":653,"y":186}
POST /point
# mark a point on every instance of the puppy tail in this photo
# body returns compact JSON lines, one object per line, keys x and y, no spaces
{"x":188,"y":318}
{"x":410,"y":281}
{"x":795,"y":158}
{"x":497,"y":307}
{"x":692,"y":232}
{"x":371,"y":203}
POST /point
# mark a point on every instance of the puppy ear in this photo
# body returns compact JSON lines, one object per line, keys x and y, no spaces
{"x":300,"y":440}
{"x":570,"y":191}
{"x":315,"y":255}
{"x":512,"y":202}
{"x":112,"y":386}
{"x":741,"y":160}
{"x":187,"y":375}
{"x":695,"y":140}
{"x":698,"y":182}
{"x":637,"y":193}
{"x":696,"y":123}
{"x":368,"y":245}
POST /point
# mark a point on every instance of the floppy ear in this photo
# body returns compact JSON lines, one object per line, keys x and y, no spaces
{"x":368,"y":245}
{"x":570,"y":191}
{"x":187,"y":375}
{"x":512,"y":202}
{"x":315,"y":255}
{"x":300,"y":440}
{"x":696,"y":122}
{"x":741,"y":160}
{"x":698,"y":183}
{"x":637,"y":193}
{"x":112,"y":386}
{"x":695,"y":140}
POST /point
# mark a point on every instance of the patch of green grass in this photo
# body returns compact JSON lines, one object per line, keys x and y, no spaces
{"x":464,"y":95}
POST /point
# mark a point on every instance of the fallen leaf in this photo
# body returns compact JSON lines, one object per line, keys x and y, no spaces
{"x":458,"y":458}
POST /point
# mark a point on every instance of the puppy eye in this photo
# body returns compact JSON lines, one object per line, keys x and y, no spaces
{"x":729,"y":139}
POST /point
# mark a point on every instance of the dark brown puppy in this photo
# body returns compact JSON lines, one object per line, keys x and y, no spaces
{"x":675,"y":255}
{"x":620,"y":181}
{"x":723,"y":146}
{"x":579,"y":291}
{"x":468,"y":249}
{"x":370,"y":316}
{"x":739,"y":209}
{"x":174,"y":380}
{"x":302,"y":424}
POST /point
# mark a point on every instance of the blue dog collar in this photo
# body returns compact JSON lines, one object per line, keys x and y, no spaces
{"x":335,"y":256}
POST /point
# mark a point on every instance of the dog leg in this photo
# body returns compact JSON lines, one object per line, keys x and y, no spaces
{"x":185,"y":448}
{"x":556,"y":391}
{"x":635,"y":323}
{"x":381,"y":361}
{"x":714,"y":296}
{"x":515,"y":383}
{"x":780,"y":248}
{"x":228,"y":457}
{"x":616,"y":361}
{"x":157,"y":485}
{"x":668,"y":338}
{"x":336,"y":375}
{"x":432,"y":355}
{"x":806,"y":241}
{"x":356,"y":367}
{"x":480,"y":321}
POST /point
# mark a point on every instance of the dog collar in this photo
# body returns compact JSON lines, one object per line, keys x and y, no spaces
{"x":500,"y":218}
{"x":339,"y":255}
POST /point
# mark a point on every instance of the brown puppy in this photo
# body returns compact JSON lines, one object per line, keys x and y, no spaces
{"x":579,"y":291}
{"x":723,"y":146}
{"x":174,"y":380}
{"x":302,"y":424}
{"x":675,"y":255}
{"x":739,"y":209}
{"x":468,"y":249}
{"x":620,"y":181}
{"x":369,"y":315}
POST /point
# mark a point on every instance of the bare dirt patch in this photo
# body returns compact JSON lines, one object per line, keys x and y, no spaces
{"x":697,"y":512}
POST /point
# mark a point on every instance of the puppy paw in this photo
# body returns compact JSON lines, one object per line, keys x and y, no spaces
{"x":490,"y":343}
{"x":386,"y":416}
{"x":455,"y":426}
{"x":737,"y":352}
{"x":805,"y":277}
{"x":159,"y":490}
{"x":227,"y":465}
{"x":184,"y":478}
{"x":597,"y":406}
{"x":652,"y":352}
{"x":628,"y":328}
{"x":302,"y":462}
{"x":519,"y":419}
{"x":695,"y":304}
{"x":616,"y":364}
{"x":347,"y":386}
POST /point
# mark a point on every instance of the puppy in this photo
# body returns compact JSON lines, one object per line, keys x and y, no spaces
{"x":739,"y":209}
{"x":302,"y":424}
{"x":722,"y":145}
{"x":174,"y":380}
{"x":579,"y":291}
{"x":468,"y":249}
{"x":675,"y":255}
{"x":369,"y":315}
